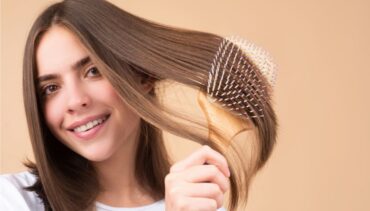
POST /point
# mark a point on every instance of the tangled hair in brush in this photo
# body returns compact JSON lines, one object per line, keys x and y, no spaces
{"x":126,"y":47}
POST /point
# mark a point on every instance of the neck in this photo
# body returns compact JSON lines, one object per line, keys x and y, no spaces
{"x":120,"y":187}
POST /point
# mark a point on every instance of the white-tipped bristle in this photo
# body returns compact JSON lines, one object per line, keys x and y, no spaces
{"x":234,"y":81}
{"x":260,"y":57}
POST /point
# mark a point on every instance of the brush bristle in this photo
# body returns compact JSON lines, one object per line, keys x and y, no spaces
{"x":241,"y":77}
{"x":260,"y":57}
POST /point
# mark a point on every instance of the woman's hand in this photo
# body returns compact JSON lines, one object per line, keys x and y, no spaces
{"x":198,"y":182}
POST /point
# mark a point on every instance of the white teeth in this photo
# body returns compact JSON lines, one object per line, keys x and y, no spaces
{"x":89,"y":125}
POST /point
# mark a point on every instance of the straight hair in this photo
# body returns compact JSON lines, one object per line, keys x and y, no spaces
{"x":126,"y":47}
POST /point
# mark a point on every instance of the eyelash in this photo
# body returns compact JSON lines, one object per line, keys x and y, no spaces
{"x":45,"y":88}
{"x":92,"y":68}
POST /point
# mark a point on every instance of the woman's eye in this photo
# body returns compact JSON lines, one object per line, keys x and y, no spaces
{"x":92,"y":72}
{"x":49,"y":89}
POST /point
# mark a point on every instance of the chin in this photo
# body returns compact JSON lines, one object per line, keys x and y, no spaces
{"x":96,"y":156}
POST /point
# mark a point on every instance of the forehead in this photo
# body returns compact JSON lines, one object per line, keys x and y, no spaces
{"x":58,"y":49}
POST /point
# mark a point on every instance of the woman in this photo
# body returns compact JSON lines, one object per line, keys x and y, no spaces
{"x":90,"y":72}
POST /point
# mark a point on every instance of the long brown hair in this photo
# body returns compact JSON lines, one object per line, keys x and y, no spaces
{"x":126,"y":47}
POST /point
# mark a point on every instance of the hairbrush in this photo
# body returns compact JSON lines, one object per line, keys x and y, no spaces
{"x":241,"y":77}
{"x":240,"y":83}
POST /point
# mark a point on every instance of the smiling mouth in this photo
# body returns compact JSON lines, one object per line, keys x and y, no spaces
{"x":90,"y":125}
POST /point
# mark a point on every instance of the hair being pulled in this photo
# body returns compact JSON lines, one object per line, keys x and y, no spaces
{"x":127,"y":48}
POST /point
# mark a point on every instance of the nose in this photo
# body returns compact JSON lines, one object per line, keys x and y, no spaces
{"x":78,"y":99}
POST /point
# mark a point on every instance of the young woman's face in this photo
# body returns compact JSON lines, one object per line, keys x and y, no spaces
{"x":81,"y":107}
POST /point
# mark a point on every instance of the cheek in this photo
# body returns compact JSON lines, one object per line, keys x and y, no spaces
{"x":53,"y":113}
{"x":111,"y":96}
{"x":106,"y":93}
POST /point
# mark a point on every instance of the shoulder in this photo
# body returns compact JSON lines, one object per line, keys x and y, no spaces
{"x":13,"y":196}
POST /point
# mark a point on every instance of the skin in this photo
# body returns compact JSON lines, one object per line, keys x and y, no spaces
{"x":191,"y":185}
{"x":73,"y":94}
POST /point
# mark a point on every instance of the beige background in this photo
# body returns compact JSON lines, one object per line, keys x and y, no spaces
{"x":322,"y":48}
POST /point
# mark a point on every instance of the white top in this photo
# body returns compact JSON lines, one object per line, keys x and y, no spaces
{"x":14,"y":198}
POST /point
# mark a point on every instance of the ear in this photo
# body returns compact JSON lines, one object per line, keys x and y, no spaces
{"x":147,"y":84}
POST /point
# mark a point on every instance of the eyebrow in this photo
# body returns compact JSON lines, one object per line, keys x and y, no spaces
{"x":81,"y":63}
{"x":76,"y":66}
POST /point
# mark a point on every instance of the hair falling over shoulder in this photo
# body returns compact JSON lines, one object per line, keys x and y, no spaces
{"x":126,"y":47}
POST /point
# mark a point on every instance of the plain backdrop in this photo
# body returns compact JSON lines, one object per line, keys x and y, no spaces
{"x":322,"y":49}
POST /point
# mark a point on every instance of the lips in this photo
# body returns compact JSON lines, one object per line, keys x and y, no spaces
{"x":88,"y":127}
{"x":85,"y":121}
